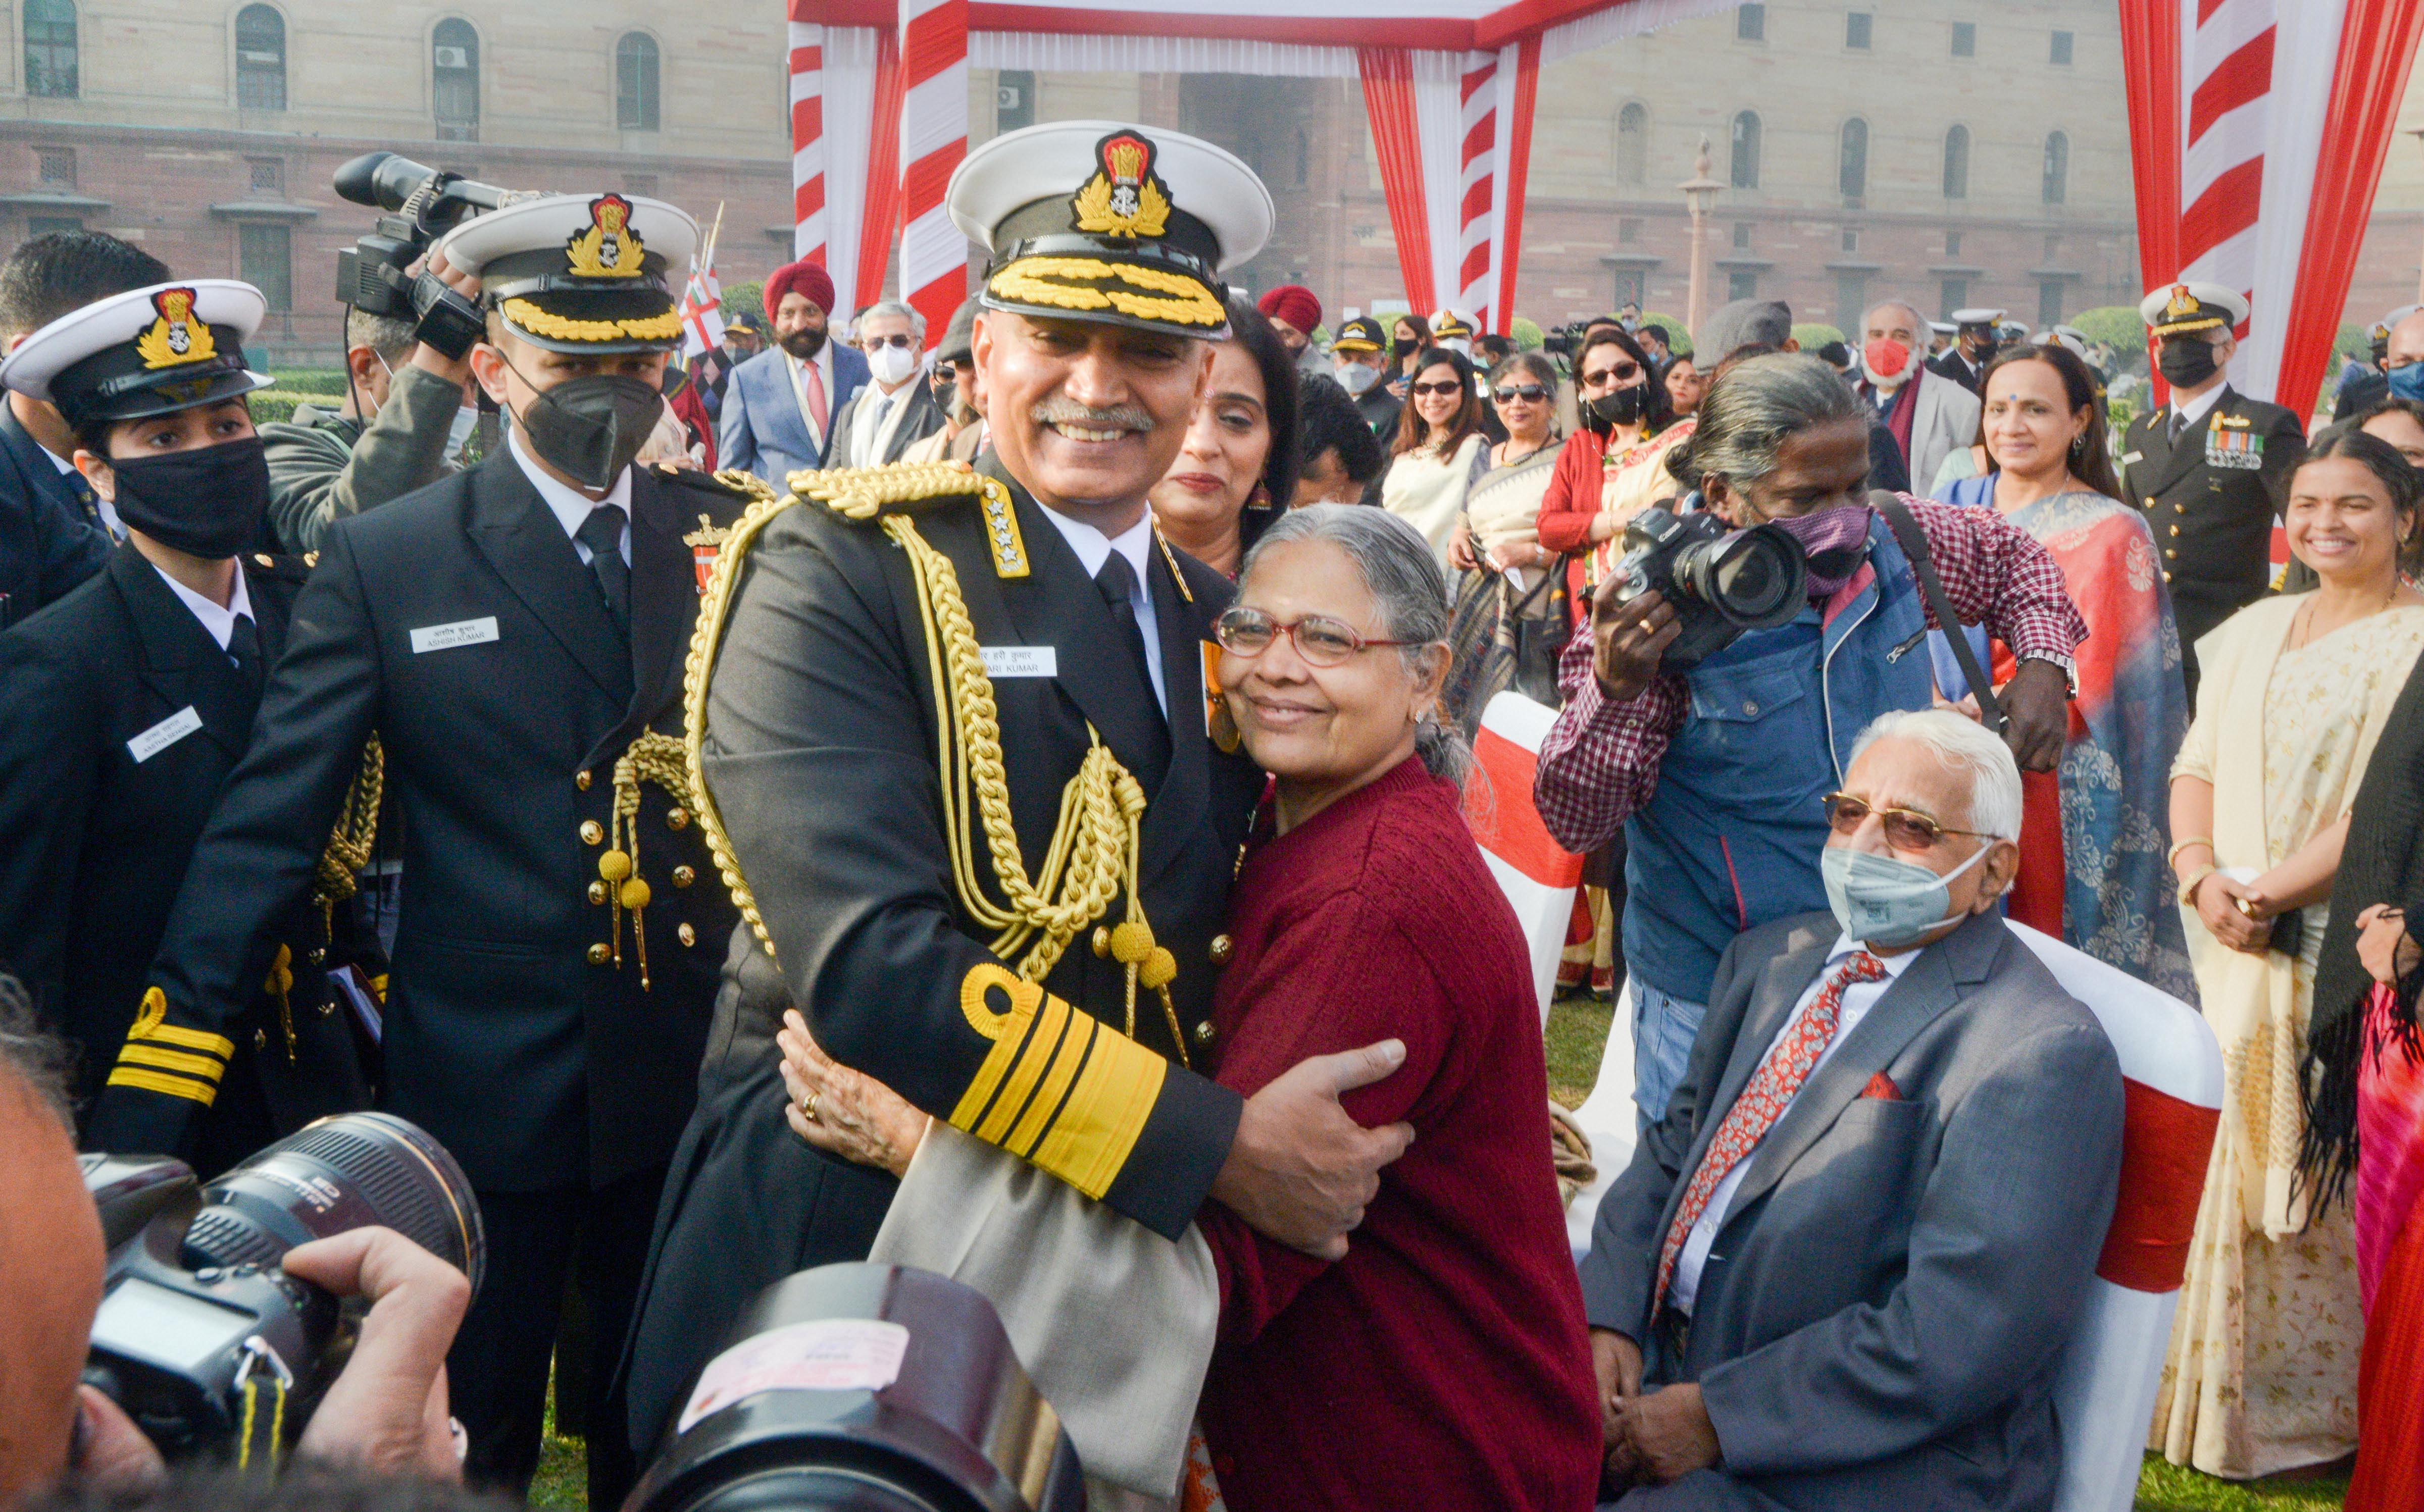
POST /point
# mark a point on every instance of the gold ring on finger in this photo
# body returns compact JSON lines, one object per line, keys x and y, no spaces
{"x":808,"y":1108}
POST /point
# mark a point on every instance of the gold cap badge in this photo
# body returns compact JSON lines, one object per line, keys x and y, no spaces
{"x":1124,"y":197}
{"x":2183,"y":304}
{"x":610,"y":248}
{"x":176,"y":337}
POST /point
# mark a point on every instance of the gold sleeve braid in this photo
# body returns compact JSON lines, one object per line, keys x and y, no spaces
{"x":1091,"y":857}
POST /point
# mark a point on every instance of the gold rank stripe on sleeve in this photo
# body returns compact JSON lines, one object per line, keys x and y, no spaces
{"x":161,"y":1056}
{"x":1058,"y":1090}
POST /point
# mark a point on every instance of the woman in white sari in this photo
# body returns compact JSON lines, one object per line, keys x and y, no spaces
{"x":1440,"y":450}
{"x":2262,"y":1371}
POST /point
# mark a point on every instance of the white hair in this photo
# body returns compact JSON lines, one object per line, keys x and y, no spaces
{"x":1919,"y":322}
{"x":1967,"y":747}
{"x":894,"y":307}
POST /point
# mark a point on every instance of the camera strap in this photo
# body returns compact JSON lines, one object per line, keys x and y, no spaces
{"x":260,"y":1391}
{"x":1913,"y":542}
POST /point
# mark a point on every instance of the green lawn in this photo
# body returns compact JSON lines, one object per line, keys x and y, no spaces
{"x":1578,"y":1031}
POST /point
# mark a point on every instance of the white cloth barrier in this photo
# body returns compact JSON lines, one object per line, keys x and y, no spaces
{"x":1537,"y":877}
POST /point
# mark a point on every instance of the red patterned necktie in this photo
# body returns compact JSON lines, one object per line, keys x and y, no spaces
{"x":1764,"y":1100}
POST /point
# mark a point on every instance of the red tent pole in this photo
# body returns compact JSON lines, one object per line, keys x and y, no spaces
{"x":1389,"y":102}
{"x":1518,"y":178}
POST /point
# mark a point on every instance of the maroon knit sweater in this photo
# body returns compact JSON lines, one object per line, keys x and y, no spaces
{"x":1443,"y":1362}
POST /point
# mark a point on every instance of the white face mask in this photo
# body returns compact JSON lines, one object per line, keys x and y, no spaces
{"x":1356,"y":378}
{"x":891,"y":364}
{"x":459,"y":430}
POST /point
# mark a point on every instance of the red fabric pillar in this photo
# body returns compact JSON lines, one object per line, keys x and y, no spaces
{"x":2377,"y":48}
{"x":2150,"y":65}
{"x":883,"y":215}
{"x":1517,"y":173}
{"x":1389,"y":103}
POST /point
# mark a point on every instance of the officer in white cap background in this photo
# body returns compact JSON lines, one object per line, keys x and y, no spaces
{"x":514,"y":635}
{"x":1976,"y":338}
{"x":818,"y":719}
{"x":123,"y":708}
{"x":2363,"y":385}
{"x":2211,"y":468}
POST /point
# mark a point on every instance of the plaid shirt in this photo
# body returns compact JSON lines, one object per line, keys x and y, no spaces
{"x":1600,"y":765}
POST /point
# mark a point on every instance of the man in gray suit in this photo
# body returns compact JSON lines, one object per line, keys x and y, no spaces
{"x":1841,"y":1271}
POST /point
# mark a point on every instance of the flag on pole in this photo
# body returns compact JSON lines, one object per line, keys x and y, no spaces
{"x":702,"y":301}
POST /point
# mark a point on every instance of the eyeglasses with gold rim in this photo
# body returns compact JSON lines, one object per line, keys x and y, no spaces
{"x":1320,"y":640}
{"x":1907,"y":829}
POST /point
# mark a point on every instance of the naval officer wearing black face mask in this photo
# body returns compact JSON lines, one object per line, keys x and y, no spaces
{"x":124,"y":706}
{"x":514,"y":634}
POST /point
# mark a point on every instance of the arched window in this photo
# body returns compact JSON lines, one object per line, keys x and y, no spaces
{"x":1852,"y":167}
{"x":1746,"y":155}
{"x":454,"y":80}
{"x":1957,"y":163}
{"x":50,"y":48}
{"x":2057,"y":167}
{"x":635,"y":82}
{"x":259,"y":59}
{"x":1633,"y":144}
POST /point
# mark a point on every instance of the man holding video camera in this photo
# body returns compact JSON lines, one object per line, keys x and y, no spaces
{"x":514,"y":635}
{"x":1717,"y":775}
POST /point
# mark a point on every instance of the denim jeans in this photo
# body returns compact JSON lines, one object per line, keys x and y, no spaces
{"x":1663,"y":1028}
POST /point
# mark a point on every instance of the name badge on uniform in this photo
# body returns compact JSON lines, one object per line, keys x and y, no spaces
{"x":2240,"y":450}
{"x":2129,"y":457}
{"x":447,"y":637}
{"x":1022,"y":661}
{"x":167,"y":733}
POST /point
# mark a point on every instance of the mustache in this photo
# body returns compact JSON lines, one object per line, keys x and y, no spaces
{"x":1084,"y":417}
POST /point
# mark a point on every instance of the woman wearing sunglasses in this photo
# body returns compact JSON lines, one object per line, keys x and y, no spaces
{"x":1440,"y":450}
{"x":1511,"y":617}
{"x":1615,"y":465}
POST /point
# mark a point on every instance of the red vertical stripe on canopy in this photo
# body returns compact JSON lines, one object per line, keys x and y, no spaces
{"x":2377,"y":48}
{"x":883,"y":175}
{"x":2150,"y":62}
{"x":1518,"y":176}
{"x":1389,"y":103}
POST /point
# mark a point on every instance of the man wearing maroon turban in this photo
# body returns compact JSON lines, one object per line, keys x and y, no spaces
{"x":779,"y":407}
{"x":1296,"y":314}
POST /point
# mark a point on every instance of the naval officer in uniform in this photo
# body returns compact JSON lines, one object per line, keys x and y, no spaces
{"x":2212,"y":468}
{"x":514,"y":634}
{"x":124,"y":706}
{"x":957,"y":750}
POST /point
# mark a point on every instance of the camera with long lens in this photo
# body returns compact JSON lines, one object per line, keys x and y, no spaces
{"x":865,"y":1387}
{"x":423,"y":204}
{"x":1720,"y":581}
{"x":205,"y":1341}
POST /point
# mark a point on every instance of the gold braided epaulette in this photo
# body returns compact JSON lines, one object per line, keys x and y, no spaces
{"x":863,"y":494}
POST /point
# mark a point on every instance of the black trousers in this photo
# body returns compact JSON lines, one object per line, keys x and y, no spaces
{"x":497,"y":1372}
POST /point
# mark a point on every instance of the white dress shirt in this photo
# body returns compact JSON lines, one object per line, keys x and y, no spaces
{"x":1857,"y":999}
{"x":2193,"y":411}
{"x":879,"y":416}
{"x":571,"y":507}
{"x":1093,"y":548}
{"x":219,"y":620}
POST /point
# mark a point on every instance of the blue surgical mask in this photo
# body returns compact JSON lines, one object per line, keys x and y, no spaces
{"x":1881,"y":900}
{"x":2407,"y":382}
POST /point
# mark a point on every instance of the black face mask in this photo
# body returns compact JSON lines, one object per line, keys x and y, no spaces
{"x":206,"y":503}
{"x":1402,"y":347}
{"x":2186,"y":362}
{"x":1622,"y":406}
{"x":589,"y":428}
{"x":1985,"y":351}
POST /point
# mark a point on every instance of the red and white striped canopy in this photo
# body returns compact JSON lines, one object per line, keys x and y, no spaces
{"x":879,"y":114}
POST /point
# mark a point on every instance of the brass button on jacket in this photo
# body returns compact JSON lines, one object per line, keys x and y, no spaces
{"x":592,"y":832}
{"x":599,"y":955}
{"x":1204,"y":1032}
{"x":581,"y":780}
{"x":684,"y":876}
{"x":1223,"y":949}
{"x":686,"y":934}
{"x":597,"y":892}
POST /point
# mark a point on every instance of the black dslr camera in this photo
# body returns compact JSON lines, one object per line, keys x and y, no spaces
{"x":205,"y":1341}
{"x":1720,"y":581}
{"x":424,"y":204}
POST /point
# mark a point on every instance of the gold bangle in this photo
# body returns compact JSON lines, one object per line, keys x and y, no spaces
{"x":2174,"y":859}
{"x":2188,"y":888}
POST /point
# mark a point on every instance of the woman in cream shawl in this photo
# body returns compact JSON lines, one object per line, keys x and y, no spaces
{"x":2262,"y":1375}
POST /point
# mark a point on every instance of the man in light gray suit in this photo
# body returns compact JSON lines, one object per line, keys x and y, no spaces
{"x":1929,"y":416}
{"x":1841,"y":1271}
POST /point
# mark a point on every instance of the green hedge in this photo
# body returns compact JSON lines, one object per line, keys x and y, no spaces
{"x":279,"y":404}
{"x":2118,"y":326}
{"x":311,"y":380}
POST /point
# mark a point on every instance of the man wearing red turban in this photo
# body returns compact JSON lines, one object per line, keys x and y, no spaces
{"x":1296,"y":314}
{"x":779,"y":407}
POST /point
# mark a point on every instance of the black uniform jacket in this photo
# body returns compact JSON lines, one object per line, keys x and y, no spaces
{"x":820,"y":757}
{"x":119,"y":721}
{"x":2211,"y":501}
{"x":459,"y":624}
{"x":51,"y":538}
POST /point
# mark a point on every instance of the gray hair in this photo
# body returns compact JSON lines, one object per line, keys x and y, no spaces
{"x":1969,"y":749}
{"x":1543,"y":372}
{"x":35,"y":1055}
{"x":892,"y":307}
{"x":1406,"y":583}
{"x":1748,"y":415}
{"x":1919,"y":322}
{"x":386,"y":335}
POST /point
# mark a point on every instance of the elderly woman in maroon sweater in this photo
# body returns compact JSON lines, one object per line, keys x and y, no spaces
{"x":1444,"y":1361}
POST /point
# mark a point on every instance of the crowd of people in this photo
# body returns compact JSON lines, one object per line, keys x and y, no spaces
{"x":1003,"y":800}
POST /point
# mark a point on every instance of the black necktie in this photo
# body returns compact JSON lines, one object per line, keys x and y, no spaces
{"x":602,"y":533}
{"x":1118,"y":582}
{"x":244,"y":649}
{"x":2179,"y":424}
